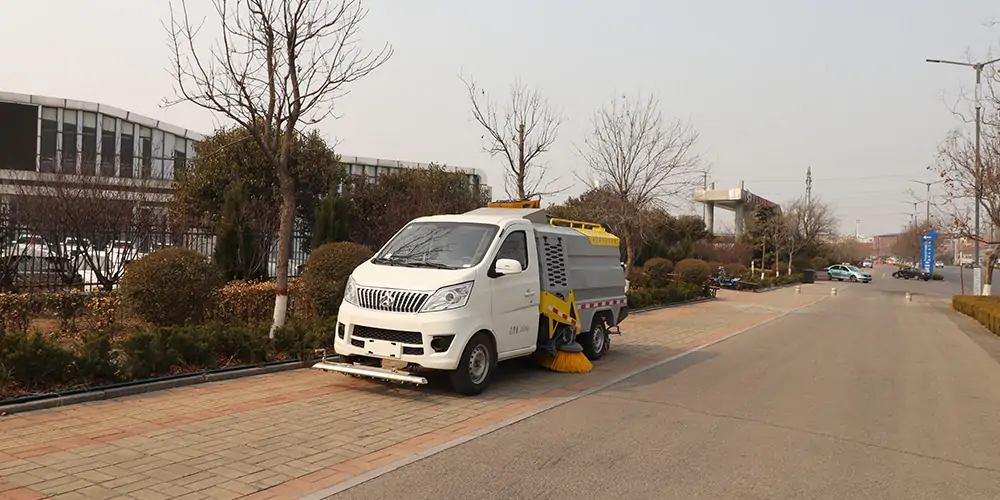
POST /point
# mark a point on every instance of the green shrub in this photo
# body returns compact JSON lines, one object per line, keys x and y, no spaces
{"x":671,"y":294}
{"x":781,"y":268}
{"x":736,"y":269}
{"x":326,"y":274}
{"x":714,"y":265}
{"x":658,"y":271}
{"x":173,"y":286}
{"x":301,"y":338}
{"x":693,"y":271}
{"x":937,"y":277}
{"x":34,"y":360}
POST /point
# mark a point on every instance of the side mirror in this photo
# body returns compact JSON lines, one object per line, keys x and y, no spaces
{"x":507,"y":266}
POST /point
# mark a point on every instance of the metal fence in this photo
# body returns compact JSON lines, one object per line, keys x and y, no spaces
{"x":30,"y":261}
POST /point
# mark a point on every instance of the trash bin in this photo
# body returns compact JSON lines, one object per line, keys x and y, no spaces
{"x":809,"y":276}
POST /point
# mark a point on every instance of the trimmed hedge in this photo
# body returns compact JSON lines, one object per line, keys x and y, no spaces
{"x":642,"y":298}
{"x":693,"y":271}
{"x":35,"y":363}
{"x":169,"y":287}
{"x":985,"y":310}
{"x":658,"y":271}
{"x":252,"y":302}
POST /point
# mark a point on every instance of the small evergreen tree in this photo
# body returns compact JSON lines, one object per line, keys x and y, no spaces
{"x":236,"y":249}
{"x":332,"y":220}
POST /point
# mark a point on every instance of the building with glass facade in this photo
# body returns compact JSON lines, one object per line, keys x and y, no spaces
{"x":47,"y":139}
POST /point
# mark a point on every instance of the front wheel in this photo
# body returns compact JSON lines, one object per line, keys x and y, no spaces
{"x":854,"y":279}
{"x":595,"y":341}
{"x":475,"y":369}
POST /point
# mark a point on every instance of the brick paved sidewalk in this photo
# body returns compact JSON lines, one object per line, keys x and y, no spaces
{"x":288,"y":434}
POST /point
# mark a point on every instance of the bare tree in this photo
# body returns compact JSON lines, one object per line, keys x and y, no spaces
{"x":956,"y":165}
{"x":642,"y":158}
{"x":806,"y":221}
{"x":278,"y":65}
{"x":90,"y":225}
{"x":520,"y":133}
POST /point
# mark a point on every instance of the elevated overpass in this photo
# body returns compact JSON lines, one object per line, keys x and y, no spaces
{"x":738,"y":200}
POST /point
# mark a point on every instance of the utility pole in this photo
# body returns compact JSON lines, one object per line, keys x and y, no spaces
{"x":704,"y":206}
{"x":978,"y":68}
{"x":928,"y":200}
{"x":857,"y":235}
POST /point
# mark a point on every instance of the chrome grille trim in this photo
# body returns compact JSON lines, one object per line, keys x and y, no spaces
{"x":400,"y":301}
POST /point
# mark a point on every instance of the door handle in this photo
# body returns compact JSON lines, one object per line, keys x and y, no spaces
{"x":529,"y":293}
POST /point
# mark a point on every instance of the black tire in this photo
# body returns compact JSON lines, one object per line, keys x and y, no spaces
{"x":465,"y":380}
{"x":854,"y":279}
{"x":595,"y":341}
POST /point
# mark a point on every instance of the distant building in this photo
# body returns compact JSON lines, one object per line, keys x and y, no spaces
{"x":48,"y":139}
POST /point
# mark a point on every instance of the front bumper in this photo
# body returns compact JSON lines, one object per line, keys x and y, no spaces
{"x":430,"y":340}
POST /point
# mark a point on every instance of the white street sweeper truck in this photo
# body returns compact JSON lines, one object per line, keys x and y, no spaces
{"x":459,"y":293}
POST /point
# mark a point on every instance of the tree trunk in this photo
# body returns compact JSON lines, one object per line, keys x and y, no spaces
{"x":629,"y":255}
{"x":285,"y":227}
{"x":521,"y":169}
{"x":789,"y":264}
{"x":763,"y":258}
{"x":991,"y":261}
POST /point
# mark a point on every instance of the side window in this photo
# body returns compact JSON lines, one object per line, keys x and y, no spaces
{"x":515,"y":247}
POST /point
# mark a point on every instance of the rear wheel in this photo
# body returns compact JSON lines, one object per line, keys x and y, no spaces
{"x":595,"y":341}
{"x":475,"y":369}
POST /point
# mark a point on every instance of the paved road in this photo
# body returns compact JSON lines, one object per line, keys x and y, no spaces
{"x":862,"y":395}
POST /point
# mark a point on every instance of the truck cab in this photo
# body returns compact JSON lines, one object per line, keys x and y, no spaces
{"x":456,"y":293}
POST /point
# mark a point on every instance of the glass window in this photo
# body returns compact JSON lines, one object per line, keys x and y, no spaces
{"x":89,"y":149}
{"x":128,"y":149}
{"x":69,"y":136}
{"x":157,"y":154}
{"x":47,"y":148}
{"x":146,"y":151}
{"x":108,"y":147}
{"x":180,"y":156}
{"x":515,"y":247}
{"x":447,"y":245}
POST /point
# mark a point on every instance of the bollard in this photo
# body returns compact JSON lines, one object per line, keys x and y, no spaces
{"x":909,"y":298}
{"x":798,"y":289}
{"x":833,"y":291}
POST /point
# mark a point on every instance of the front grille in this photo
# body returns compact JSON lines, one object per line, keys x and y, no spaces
{"x":391,"y":300}
{"x":400,"y":336}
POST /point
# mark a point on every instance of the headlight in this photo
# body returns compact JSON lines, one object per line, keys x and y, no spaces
{"x":351,"y":292}
{"x":449,"y":297}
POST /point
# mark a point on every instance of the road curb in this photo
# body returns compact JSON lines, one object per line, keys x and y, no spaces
{"x":370,"y":475}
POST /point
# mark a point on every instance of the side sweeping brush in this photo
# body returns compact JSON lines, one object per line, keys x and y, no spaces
{"x":568,"y":359}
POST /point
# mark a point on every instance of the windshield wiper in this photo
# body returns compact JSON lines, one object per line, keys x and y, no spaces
{"x":432,"y":265}
{"x":384,"y":260}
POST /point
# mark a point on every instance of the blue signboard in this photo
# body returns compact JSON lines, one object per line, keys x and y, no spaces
{"x":927,"y":250}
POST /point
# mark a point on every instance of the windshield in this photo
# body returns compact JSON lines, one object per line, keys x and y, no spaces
{"x":445,"y":245}
{"x":852,"y":268}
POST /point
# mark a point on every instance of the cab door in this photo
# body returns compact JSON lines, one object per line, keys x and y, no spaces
{"x":515,"y":297}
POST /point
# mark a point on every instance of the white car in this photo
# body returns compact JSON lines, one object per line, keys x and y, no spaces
{"x":31,"y":245}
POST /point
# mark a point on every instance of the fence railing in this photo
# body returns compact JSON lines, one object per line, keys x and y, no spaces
{"x":30,"y":261}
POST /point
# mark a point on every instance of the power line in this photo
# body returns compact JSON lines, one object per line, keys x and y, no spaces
{"x":838,"y":179}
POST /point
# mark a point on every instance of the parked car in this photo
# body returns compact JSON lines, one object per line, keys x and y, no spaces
{"x":73,"y":247}
{"x":843,"y":272}
{"x":31,"y":244}
{"x":939,"y":264}
{"x":912,"y":273}
{"x":43,"y":273}
{"x":867,"y":264}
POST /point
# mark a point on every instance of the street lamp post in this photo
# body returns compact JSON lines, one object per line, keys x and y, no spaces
{"x":978,"y":68}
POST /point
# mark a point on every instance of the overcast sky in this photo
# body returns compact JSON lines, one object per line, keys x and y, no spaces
{"x":772,"y":86}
